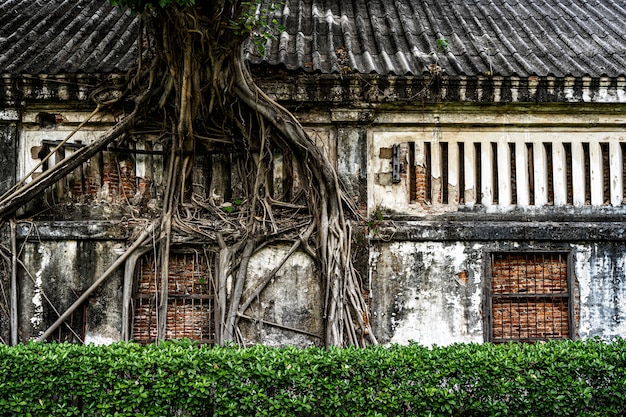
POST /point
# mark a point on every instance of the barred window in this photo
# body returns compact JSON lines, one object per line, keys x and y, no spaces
{"x":530,"y":297}
{"x":190,"y":299}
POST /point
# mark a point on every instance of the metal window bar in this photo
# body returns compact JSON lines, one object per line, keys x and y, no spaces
{"x":191,"y":301}
{"x":530,"y":298}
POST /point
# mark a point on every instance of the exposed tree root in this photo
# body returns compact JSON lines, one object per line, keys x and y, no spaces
{"x":201,"y":90}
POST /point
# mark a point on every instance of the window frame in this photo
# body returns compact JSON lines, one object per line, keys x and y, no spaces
{"x":206,"y":300}
{"x":488,"y":293}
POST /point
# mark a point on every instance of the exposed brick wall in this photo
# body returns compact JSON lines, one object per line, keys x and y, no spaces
{"x":529,"y":273}
{"x":421,"y":184}
{"x":530,"y":296}
{"x":119,"y":178}
{"x":525,"y":319}
{"x":190,"y":300}
{"x":108,"y":176}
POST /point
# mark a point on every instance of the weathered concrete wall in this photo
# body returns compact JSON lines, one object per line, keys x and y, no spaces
{"x":293,"y":299}
{"x":434,"y":292}
{"x":373,"y":89}
{"x":428,"y":292}
{"x":601,"y":273}
{"x":351,"y":166}
{"x":498,"y":161}
{"x":427,"y":278}
{"x":57,"y":273}
{"x":9,"y":143}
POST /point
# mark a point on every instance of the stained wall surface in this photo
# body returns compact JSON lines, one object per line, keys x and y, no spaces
{"x":472,"y":181}
{"x":436,"y":292}
{"x":56,"y":273}
{"x":289,"y":311}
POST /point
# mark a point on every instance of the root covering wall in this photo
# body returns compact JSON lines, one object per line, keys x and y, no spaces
{"x":446,"y":192}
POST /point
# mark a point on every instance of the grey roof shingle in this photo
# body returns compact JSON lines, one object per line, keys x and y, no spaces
{"x":499,"y":37}
{"x":65,"y":36}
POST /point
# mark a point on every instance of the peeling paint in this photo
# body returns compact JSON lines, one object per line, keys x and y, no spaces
{"x":420,"y":297}
{"x":292,"y":299}
{"x":99,"y":340}
{"x":37,"y":299}
{"x":601,"y":274}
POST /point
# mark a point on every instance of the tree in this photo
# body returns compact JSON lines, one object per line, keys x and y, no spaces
{"x":192,"y":78}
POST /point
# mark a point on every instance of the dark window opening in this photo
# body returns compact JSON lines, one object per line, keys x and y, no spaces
{"x":513,"y":165}
{"x":122,"y":174}
{"x":428,"y":173}
{"x":606,"y":174}
{"x":73,"y":328}
{"x":461,"y":173}
{"x":477,"y":170}
{"x":494,"y":169}
{"x":531,"y":173}
{"x":549,"y":172}
{"x":412,"y":173}
{"x":567,"y":147}
{"x":445,"y":177}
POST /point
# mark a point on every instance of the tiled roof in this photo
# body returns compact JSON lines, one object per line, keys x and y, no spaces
{"x":499,"y":37}
{"x":65,"y":36}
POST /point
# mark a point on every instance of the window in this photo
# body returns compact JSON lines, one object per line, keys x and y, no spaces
{"x":190,"y":299}
{"x":493,"y":168}
{"x":529,"y":297}
{"x":126,"y":172}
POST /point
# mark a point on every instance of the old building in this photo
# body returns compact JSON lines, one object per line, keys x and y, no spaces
{"x":483,"y":141}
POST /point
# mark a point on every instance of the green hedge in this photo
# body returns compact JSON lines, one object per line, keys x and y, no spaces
{"x":181,"y":379}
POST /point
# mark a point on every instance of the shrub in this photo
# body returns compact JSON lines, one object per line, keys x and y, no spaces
{"x":579,"y":378}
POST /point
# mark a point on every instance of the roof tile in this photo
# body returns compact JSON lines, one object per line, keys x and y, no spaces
{"x":499,"y":37}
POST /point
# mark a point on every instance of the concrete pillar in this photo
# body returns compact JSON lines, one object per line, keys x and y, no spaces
{"x":486,"y":173}
{"x":616,"y":175}
{"x":504,"y":174}
{"x":578,"y":174}
{"x":540,"y":168}
{"x":521,"y":174}
{"x":595,"y":165}
{"x":559,"y":175}
{"x":453,"y":173}
{"x":435,"y":171}
{"x":469,"y":163}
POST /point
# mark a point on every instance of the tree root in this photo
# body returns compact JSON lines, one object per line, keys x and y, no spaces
{"x":207,"y":99}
